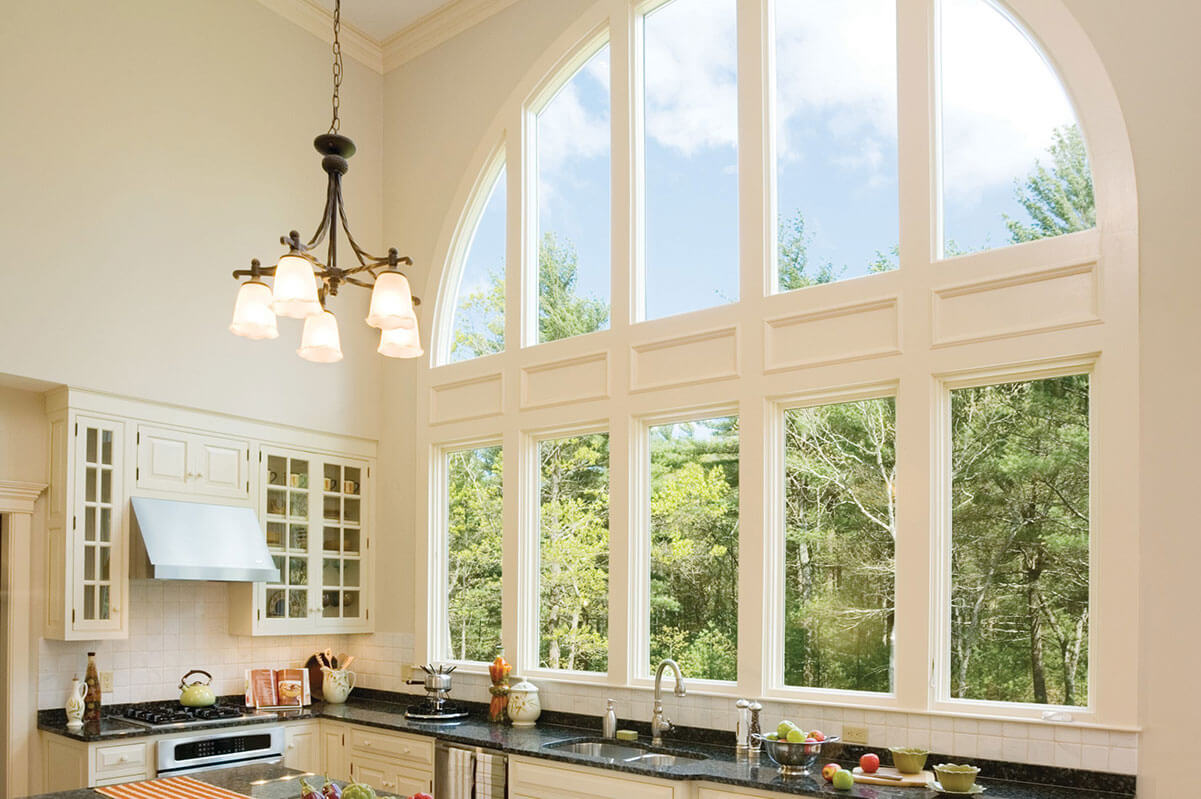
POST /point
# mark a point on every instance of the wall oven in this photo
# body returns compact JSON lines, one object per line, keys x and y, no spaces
{"x":184,"y":754}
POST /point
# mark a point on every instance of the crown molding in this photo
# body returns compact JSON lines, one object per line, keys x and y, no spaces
{"x":319,"y":22}
{"x":18,"y":497}
{"x":436,"y":27}
{"x":421,"y":36}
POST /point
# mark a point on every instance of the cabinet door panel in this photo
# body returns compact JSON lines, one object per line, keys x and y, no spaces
{"x":411,"y":781}
{"x":371,"y":772}
{"x":162,"y":459}
{"x":221,"y":468}
{"x":302,"y":750}
{"x":99,"y":552}
{"x":333,"y":749}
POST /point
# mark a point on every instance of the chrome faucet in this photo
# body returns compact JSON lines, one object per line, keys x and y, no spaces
{"x":659,"y":722}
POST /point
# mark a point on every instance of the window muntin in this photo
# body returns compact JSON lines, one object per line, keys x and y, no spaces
{"x":690,"y":173}
{"x":1014,"y":165}
{"x":840,"y":472}
{"x":836,"y":140}
{"x":573,"y":568}
{"x":694,"y":546}
{"x":478,"y":325}
{"x":1019,"y":629}
{"x":475,"y":549}
{"x":573,"y":204}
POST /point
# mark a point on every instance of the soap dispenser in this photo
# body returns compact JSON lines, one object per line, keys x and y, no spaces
{"x":609,"y":726}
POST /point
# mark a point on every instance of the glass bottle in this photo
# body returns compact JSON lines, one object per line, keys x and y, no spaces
{"x":499,"y":672}
{"x":91,"y":700}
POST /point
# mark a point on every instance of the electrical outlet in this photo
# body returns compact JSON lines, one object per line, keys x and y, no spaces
{"x":106,"y":682}
{"x":852,"y":734}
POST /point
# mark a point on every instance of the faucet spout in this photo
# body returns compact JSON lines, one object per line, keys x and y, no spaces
{"x":659,"y":721}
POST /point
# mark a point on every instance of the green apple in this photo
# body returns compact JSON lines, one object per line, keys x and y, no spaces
{"x":785,"y":727}
{"x":795,"y":736}
{"x":843,"y":780}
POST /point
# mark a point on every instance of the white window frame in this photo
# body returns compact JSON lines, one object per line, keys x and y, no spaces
{"x":640,"y":544}
{"x":439,"y":567}
{"x":508,"y":395}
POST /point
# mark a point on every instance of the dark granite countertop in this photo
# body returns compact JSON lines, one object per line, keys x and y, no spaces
{"x":259,"y":782}
{"x":721,"y":765}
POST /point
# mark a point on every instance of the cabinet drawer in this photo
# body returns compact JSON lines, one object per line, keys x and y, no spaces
{"x":393,"y":747}
{"x":119,"y":760}
{"x":546,"y":782}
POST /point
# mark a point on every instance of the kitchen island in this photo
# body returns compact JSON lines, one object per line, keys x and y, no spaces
{"x":258,"y":782}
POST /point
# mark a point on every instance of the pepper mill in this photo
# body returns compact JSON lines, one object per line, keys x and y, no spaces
{"x":742,"y":732}
{"x":756,"y":708}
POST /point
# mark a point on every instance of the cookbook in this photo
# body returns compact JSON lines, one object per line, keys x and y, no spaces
{"x":276,"y":688}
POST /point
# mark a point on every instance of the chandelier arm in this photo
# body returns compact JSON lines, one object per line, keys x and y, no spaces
{"x":326,"y":217}
{"x":359,"y":252}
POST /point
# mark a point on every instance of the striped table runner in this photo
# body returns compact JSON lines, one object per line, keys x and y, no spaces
{"x":169,"y":788}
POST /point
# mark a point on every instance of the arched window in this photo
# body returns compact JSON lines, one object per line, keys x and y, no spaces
{"x":801,"y":486}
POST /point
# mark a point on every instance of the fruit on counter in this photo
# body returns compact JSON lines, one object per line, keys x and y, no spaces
{"x":330,"y":790}
{"x":870,"y":763}
{"x":843,"y":780}
{"x":795,"y":736}
{"x":785,"y":727}
{"x":828,"y":771}
{"x":357,"y":790}
{"x":307,"y":791}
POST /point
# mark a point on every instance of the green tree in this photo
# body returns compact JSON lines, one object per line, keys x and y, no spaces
{"x":792,"y":257}
{"x":1058,"y":199}
{"x":562,"y":312}
{"x":475,"y":549}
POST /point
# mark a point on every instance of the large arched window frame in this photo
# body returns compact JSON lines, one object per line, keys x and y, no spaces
{"x":1042,"y":308}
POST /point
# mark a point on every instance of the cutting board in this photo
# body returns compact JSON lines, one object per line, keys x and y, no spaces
{"x":911,"y":780}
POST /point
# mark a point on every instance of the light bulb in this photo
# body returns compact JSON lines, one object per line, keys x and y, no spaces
{"x":295,"y":293}
{"x":253,"y":317}
{"x":401,"y":342}
{"x":391,"y":302}
{"x":319,"y":342}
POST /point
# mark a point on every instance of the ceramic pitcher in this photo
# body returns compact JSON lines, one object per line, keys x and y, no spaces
{"x":336,"y":685}
{"x":79,"y":690}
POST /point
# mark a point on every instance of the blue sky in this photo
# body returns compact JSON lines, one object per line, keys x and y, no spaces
{"x":836,"y":142}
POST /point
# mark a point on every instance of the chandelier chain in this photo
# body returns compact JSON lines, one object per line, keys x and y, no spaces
{"x":335,"y":123}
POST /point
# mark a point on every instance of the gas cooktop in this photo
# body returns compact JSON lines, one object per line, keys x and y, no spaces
{"x":168,"y":715}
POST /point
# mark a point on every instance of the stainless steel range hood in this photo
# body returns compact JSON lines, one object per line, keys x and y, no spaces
{"x":198,"y":541}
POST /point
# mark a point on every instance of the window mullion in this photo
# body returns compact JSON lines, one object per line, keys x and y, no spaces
{"x":919,"y":618}
{"x":624,"y":105}
{"x":625,"y":620}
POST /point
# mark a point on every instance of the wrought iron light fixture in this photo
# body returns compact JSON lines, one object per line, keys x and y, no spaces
{"x":303,"y":283}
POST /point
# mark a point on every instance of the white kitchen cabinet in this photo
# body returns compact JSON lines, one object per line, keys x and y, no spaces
{"x":70,"y":765}
{"x":302,"y":746}
{"x":392,"y":762}
{"x":539,"y":779}
{"x":192,"y":465}
{"x":315,"y":511}
{"x":333,"y":750}
{"x":87,"y":543}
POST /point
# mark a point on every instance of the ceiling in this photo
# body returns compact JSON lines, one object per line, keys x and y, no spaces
{"x":379,"y":19}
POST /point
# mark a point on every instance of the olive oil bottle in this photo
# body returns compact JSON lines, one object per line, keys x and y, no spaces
{"x":91,"y":700}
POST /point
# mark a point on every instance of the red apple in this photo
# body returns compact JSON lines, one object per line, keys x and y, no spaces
{"x":828,"y":771}
{"x":817,"y":735}
{"x":869,"y":763}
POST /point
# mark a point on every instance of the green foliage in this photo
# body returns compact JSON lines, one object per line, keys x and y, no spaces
{"x":694,"y":547}
{"x":840,"y":531}
{"x":1060,"y":199}
{"x":574,"y":524}
{"x":1019,"y":554}
{"x":474,"y":502}
{"x":792,"y":257}
{"x":562,"y":312}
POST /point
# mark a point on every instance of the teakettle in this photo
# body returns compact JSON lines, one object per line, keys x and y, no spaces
{"x":196,"y":694}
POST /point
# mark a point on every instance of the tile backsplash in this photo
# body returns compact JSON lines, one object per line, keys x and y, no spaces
{"x":178,"y":626}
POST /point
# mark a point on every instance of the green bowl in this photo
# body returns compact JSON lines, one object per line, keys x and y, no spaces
{"x":909,"y":759}
{"x":956,"y":777}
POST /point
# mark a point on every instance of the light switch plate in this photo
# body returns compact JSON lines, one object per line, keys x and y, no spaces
{"x":852,"y":734}
{"x":106,"y":682}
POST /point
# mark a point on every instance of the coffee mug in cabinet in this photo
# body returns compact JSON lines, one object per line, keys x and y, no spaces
{"x":350,"y":487}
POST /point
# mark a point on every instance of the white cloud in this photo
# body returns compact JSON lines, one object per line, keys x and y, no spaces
{"x":570,"y":128}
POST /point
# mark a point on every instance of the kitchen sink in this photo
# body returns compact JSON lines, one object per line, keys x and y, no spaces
{"x":625,"y":752}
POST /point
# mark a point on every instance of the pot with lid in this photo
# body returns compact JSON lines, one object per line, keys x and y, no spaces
{"x":437,"y":680}
{"x":197,"y":693}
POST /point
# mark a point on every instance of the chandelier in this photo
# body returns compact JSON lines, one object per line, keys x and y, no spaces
{"x":303,"y":283}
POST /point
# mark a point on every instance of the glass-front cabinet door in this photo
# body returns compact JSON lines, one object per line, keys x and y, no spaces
{"x":312,"y":512}
{"x":98,"y":525}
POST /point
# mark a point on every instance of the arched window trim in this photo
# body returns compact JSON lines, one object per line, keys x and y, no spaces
{"x":1109,"y":251}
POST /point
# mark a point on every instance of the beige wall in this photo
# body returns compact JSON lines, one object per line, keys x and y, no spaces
{"x":1150,"y":51}
{"x":150,"y":149}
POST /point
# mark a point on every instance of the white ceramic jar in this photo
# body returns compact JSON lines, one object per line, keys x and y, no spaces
{"x":336,"y":685}
{"x":75,"y":703}
{"x":524,"y":705}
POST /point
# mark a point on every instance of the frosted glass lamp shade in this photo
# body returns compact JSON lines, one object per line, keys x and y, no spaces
{"x":253,"y":317}
{"x":401,"y":342}
{"x":295,"y":293}
{"x":391,"y":302}
{"x":319,"y":342}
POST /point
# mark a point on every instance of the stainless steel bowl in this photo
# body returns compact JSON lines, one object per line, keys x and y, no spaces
{"x":794,"y":760}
